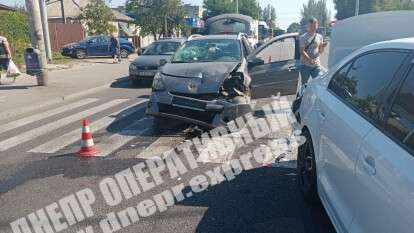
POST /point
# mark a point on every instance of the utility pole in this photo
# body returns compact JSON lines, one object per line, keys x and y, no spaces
{"x":62,"y":9}
{"x":165,"y":27}
{"x":37,"y":39}
{"x":237,"y":6}
{"x":356,"y":7}
{"x":45,"y":25}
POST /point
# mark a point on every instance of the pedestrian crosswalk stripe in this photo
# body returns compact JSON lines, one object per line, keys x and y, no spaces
{"x":32,"y":134}
{"x":116,"y":141}
{"x":61,"y":142}
{"x":30,"y":119}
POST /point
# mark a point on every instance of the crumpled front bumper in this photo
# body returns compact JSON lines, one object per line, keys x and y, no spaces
{"x":207,"y":113}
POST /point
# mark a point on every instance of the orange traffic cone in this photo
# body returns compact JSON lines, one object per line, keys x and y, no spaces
{"x":88,"y":148}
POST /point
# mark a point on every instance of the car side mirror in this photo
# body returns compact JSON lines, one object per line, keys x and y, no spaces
{"x":163,"y":62}
{"x":255,"y":62}
{"x":139,"y":51}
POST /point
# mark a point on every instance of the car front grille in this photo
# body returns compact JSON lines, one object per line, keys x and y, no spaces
{"x":188,"y":113}
{"x":147,"y":67}
{"x":205,"y":96}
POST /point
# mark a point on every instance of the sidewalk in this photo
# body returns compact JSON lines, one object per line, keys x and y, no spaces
{"x":87,"y":77}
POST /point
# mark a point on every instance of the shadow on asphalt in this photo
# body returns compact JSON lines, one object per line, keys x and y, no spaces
{"x":261,"y":200}
{"x":12,"y":86}
{"x":125,"y":82}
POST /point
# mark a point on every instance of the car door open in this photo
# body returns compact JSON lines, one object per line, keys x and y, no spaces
{"x":274,"y":67}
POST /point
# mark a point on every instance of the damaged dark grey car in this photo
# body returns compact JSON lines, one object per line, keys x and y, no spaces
{"x":206,"y":82}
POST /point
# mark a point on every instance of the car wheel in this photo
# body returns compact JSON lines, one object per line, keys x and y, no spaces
{"x":306,"y":170}
{"x":80,"y":54}
{"x":124,"y":53}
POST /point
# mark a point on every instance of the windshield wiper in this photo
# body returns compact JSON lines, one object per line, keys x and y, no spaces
{"x":180,"y":62}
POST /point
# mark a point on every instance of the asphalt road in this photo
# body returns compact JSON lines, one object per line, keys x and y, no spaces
{"x":38,"y":166}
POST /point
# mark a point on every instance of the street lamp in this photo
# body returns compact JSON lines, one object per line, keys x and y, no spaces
{"x":237,"y":5}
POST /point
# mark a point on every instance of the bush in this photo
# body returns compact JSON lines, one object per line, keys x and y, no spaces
{"x":14,"y":26}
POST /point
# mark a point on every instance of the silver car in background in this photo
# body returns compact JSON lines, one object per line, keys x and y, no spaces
{"x":147,"y":64}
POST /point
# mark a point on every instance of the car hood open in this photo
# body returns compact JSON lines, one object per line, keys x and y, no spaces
{"x":206,"y":77}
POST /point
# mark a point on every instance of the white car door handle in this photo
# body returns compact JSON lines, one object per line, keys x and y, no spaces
{"x":322,"y":115}
{"x":369,"y":165}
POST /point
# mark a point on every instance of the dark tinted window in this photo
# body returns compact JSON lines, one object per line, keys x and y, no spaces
{"x":401,"y":119}
{"x":336,"y":83}
{"x":366,"y":81}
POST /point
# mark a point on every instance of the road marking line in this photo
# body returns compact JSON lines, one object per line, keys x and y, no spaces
{"x":27,"y":120}
{"x":116,"y":141}
{"x":32,"y":134}
{"x":61,"y":142}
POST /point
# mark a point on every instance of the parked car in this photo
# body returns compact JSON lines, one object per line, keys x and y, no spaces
{"x":209,"y":80}
{"x":147,"y":64}
{"x":358,"y":158}
{"x":96,"y":46}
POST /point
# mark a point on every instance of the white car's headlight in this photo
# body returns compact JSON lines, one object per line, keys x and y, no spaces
{"x":158,"y":84}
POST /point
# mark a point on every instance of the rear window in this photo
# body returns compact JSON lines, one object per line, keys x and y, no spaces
{"x":401,"y":119}
{"x":364,"y":83}
{"x":227,"y":26}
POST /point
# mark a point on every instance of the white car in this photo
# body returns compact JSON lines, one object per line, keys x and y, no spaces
{"x":358,"y":159}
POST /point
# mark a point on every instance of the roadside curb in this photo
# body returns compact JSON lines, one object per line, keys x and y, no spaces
{"x":57,"y":100}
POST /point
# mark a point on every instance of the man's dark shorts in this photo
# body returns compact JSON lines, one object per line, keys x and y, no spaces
{"x":4,"y":63}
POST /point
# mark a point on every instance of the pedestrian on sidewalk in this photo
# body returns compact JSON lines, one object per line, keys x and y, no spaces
{"x":5,"y":56}
{"x":312,"y":45}
{"x":115,"y":48}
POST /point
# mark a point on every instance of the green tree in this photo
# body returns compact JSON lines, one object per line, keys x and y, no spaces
{"x":97,"y":17}
{"x":346,"y":8}
{"x":14,"y":26}
{"x":218,"y":7}
{"x":317,"y":9}
{"x":269,"y":15}
{"x":293,"y":27}
{"x":156,"y":17}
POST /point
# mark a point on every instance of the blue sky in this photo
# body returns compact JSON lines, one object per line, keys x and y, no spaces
{"x":288,"y":11}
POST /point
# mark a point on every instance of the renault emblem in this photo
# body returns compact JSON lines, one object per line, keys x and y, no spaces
{"x":192,"y":87}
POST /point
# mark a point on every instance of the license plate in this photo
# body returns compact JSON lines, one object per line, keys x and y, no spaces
{"x":177,"y":101}
{"x":146,"y":73}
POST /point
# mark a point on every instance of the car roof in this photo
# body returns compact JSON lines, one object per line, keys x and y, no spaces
{"x":222,"y":36}
{"x":180,"y":40}
{"x":404,"y":43}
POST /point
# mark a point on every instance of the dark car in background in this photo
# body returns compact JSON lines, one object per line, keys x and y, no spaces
{"x":96,"y":46}
{"x":147,"y":64}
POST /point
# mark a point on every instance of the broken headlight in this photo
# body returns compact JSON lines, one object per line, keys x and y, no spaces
{"x":158,"y":84}
{"x":233,"y":86}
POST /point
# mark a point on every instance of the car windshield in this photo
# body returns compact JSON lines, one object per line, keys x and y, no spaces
{"x":209,"y":50}
{"x":162,"y":48}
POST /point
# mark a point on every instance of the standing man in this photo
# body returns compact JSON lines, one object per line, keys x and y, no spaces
{"x":5,"y":56}
{"x":312,"y":46}
{"x":115,"y":48}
